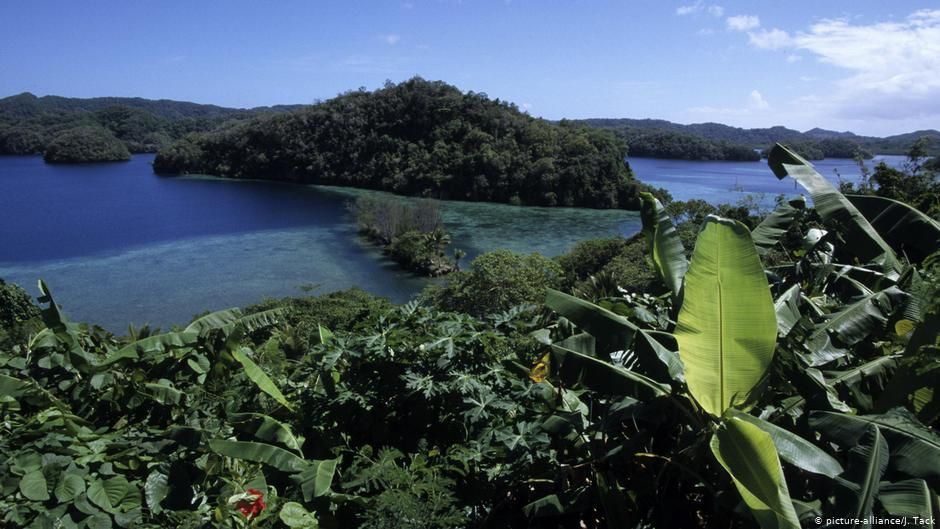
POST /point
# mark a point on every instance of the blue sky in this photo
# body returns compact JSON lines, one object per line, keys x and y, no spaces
{"x":872,"y":67}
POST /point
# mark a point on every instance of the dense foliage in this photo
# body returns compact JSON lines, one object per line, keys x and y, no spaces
{"x":28,"y":123}
{"x":412,"y":234}
{"x":679,"y":146}
{"x":780,"y":374}
{"x":423,"y":139}
{"x":86,"y":144}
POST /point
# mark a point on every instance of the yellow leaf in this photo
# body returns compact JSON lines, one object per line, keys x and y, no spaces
{"x":541,"y":369}
{"x":903,"y":327}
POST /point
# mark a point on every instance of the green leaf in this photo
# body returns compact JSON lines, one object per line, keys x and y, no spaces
{"x":259,"y":320}
{"x":109,"y":493}
{"x":163,"y":392}
{"x":836,"y":211}
{"x":267,"y":428}
{"x":259,"y":377}
{"x":767,"y":234}
{"x":151,"y":346}
{"x":295,"y":516}
{"x":33,"y":486}
{"x":98,"y":520}
{"x":749,"y":456}
{"x":915,"y":449}
{"x":156,"y":489}
{"x":792,"y":448}
{"x":598,"y":375}
{"x":260,"y":453}
{"x":909,"y":498}
{"x":70,"y":485}
{"x":852,"y":324}
{"x":665,"y":246}
{"x":907,"y":230}
{"x":787,"y":307}
{"x":612,"y":331}
{"x":315,"y":480}
{"x":214,"y":320}
{"x":867,"y":463}
{"x":727,"y":328}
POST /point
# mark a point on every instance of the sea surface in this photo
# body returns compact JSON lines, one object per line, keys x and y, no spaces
{"x":117,"y":244}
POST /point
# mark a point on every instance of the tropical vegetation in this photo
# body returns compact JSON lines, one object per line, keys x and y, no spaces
{"x":771,"y":371}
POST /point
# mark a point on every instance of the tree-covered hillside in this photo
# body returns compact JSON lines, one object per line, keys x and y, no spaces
{"x":419,"y":138}
{"x":29,"y":124}
{"x":657,"y":138}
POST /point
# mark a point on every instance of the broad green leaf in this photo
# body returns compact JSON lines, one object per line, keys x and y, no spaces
{"x":34,"y":487}
{"x":907,"y":230}
{"x":315,"y":480}
{"x":259,"y":377}
{"x":295,"y":516}
{"x":156,"y":488}
{"x":109,"y":493}
{"x":665,"y":246}
{"x":915,"y":449}
{"x":727,"y":328}
{"x":163,"y":392}
{"x":792,"y":448}
{"x":909,"y":498}
{"x":70,"y":485}
{"x":749,"y":456}
{"x":99,"y":520}
{"x":267,"y":428}
{"x":214,"y":320}
{"x":836,"y":211}
{"x":260,"y":453}
{"x":152,"y":345}
{"x":573,"y":367}
{"x":325,"y":334}
{"x":258,"y":320}
{"x":612,"y":331}
{"x":867,"y":463}
{"x":768,"y":233}
{"x":787,"y":307}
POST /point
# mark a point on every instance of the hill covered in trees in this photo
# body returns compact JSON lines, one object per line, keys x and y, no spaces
{"x":419,"y":138}
{"x":30,"y":124}
{"x":714,"y":141}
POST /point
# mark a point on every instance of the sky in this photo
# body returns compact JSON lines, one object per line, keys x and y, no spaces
{"x":872,"y":67}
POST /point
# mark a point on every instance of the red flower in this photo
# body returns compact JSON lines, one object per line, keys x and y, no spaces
{"x":252,"y":505}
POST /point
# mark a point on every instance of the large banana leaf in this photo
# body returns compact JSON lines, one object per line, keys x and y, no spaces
{"x":260,"y":453}
{"x":861,"y":238}
{"x":792,"y":448}
{"x":613,"y":332}
{"x":767,"y":234}
{"x":215,"y":320}
{"x":867,"y":463}
{"x":577,"y":368}
{"x":915,"y":449}
{"x":152,"y":345}
{"x":749,"y":456}
{"x":906,"y":229}
{"x":259,"y":377}
{"x":910,"y":498}
{"x":665,"y":247}
{"x":787,"y":307}
{"x":727,"y":328}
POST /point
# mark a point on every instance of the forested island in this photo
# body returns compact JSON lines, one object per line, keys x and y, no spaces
{"x":658,"y":138}
{"x":419,"y":138}
{"x":33,"y":125}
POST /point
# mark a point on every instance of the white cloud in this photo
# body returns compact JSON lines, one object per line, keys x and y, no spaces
{"x":769,"y":39}
{"x":690,"y":9}
{"x":391,"y":38}
{"x":756,"y":101}
{"x":743,"y":22}
{"x":792,"y":58}
{"x":893,"y":67}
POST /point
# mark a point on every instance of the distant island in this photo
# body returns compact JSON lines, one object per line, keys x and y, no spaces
{"x":36,"y":125}
{"x":656,"y":138}
{"x":419,"y":138}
